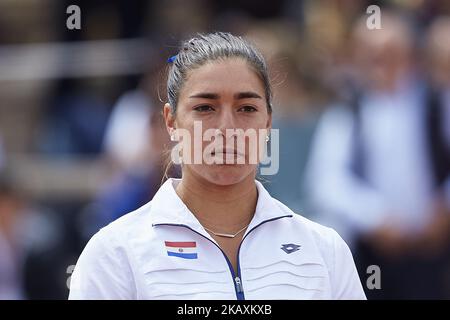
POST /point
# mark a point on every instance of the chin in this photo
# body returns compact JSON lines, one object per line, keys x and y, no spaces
{"x":225,"y":175}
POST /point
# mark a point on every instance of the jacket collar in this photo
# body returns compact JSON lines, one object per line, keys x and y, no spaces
{"x":168,"y":208}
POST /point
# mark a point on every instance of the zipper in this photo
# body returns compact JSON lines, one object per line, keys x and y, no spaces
{"x":238,"y":281}
{"x":239,"y":290}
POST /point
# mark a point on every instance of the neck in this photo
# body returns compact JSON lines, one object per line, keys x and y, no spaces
{"x":220,"y":208}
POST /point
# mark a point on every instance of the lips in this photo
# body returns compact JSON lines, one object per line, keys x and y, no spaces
{"x":227,"y":151}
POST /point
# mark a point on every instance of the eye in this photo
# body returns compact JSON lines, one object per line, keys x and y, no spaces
{"x":203,"y":108}
{"x":247,"y":109}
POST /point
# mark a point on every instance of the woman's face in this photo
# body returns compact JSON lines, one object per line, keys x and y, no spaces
{"x":222,"y":96}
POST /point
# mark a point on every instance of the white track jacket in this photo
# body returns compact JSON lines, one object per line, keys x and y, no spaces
{"x":161,"y":251}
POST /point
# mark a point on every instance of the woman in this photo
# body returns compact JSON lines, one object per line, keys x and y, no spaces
{"x":216,"y":233}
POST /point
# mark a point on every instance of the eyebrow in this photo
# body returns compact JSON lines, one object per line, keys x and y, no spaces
{"x":237,"y":96}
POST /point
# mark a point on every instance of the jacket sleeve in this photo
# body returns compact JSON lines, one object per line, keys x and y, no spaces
{"x":102,"y":272}
{"x":345,"y":282}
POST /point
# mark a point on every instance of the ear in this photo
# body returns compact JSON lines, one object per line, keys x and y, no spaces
{"x":169,"y":118}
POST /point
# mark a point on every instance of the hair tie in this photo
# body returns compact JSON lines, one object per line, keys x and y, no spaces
{"x":172,"y":59}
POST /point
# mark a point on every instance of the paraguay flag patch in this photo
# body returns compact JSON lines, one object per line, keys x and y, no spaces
{"x":184,"y":249}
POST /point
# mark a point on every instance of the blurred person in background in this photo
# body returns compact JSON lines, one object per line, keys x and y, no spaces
{"x":11,"y":280}
{"x":75,"y":122}
{"x":2,"y":154}
{"x":18,"y":238}
{"x":438,"y":64}
{"x":133,"y":146}
{"x":33,"y":249}
{"x":381,"y":165}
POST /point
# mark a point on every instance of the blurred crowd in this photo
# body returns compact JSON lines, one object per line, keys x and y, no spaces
{"x":364,"y":120}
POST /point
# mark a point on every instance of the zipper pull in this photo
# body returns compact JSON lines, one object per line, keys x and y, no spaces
{"x":238,"y":285}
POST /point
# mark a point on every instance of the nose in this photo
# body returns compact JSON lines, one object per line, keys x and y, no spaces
{"x":226,"y":121}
